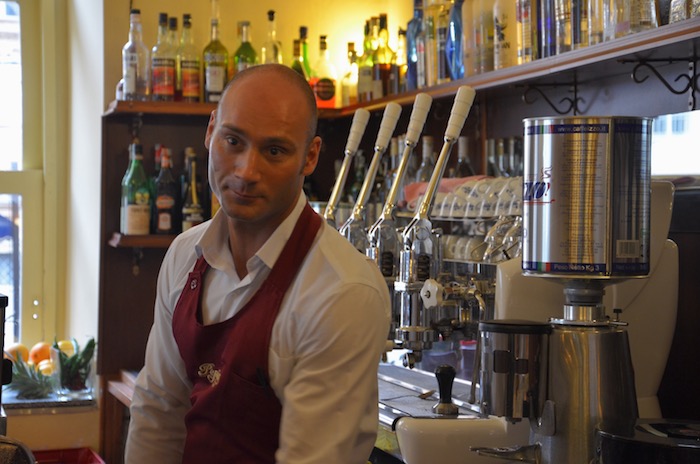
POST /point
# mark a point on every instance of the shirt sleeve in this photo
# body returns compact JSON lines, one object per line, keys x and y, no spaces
{"x":330,"y":403}
{"x":161,"y":395}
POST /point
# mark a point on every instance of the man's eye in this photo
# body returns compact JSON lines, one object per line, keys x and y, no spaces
{"x":232,"y":140}
{"x":275,"y":151}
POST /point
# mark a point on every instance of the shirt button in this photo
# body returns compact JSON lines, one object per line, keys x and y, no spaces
{"x":193,"y":284}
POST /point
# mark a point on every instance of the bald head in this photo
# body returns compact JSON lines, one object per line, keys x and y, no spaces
{"x":288,"y":76}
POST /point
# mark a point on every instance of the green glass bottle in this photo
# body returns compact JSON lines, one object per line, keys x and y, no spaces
{"x":136,"y":195}
{"x":298,"y":59}
{"x":244,"y":56}
{"x":215,"y":59}
{"x":303,"y":39}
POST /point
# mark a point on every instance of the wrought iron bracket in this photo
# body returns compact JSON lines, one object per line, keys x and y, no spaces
{"x":566,"y":105}
{"x":683,"y":83}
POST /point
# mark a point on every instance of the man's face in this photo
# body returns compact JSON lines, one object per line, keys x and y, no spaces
{"x":259,"y":150}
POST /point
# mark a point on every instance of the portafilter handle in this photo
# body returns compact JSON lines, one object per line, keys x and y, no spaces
{"x":445,"y":375}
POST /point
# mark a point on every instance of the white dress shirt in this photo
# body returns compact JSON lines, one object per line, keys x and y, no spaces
{"x":324,"y":351}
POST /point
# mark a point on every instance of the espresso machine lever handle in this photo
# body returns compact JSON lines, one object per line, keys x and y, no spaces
{"x":445,"y":375}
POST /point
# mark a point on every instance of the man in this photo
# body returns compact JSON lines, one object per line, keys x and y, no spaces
{"x":268,"y":325}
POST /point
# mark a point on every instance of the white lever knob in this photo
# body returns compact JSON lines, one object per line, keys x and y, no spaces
{"x":357,"y":130}
{"x":421,"y":107}
{"x":460,"y":110}
{"x":431,"y":294}
{"x":389,"y":121}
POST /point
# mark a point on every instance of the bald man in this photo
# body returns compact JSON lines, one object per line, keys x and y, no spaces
{"x":268,"y":325}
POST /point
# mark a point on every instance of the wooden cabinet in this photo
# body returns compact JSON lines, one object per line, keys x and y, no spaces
{"x":591,"y":81}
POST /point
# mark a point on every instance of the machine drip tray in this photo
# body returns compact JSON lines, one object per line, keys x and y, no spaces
{"x":406,"y":392}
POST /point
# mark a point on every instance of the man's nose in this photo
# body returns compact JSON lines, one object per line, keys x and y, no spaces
{"x":248,"y":165}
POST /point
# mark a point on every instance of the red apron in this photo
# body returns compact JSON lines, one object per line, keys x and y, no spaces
{"x":235,"y":415}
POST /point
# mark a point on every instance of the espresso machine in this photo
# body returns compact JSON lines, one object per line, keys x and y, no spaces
{"x":586,"y":225}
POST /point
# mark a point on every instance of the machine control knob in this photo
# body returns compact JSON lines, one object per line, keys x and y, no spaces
{"x":445,"y":377}
{"x":431,"y":293}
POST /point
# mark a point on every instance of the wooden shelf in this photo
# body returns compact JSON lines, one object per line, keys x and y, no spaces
{"x":140,"y":241}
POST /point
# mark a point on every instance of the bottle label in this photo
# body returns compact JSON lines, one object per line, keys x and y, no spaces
{"x":324,"y":89}
{"x":130,"y":66}
{"x":165,"y":202}
{"x":190,"y":78}
{"x":163,"y":76}
{"x":165,"y":221}
{"x":191,"y":217}
{"x":136,"y":219}
{"x":214,"y":78}
{"x":364,"y":83}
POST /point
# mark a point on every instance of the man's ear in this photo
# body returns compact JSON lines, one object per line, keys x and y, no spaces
{"x":312,"y":156}
{"x":210,"y":129}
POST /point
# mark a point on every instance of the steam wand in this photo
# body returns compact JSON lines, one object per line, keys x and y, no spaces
{"x":417,"y":262}
{"x":357,"y":130}
{"x":354,"y":227}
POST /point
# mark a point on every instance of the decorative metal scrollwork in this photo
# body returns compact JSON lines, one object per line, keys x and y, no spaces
{"x":566,"y":105}
{"x":691,"y":80}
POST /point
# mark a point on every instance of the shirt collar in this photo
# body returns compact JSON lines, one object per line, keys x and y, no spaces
{"x":213,"y":244}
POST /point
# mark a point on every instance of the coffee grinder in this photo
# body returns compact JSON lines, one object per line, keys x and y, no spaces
{"x":586,"y":203}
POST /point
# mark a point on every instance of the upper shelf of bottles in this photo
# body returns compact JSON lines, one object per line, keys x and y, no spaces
{"x":678,"y":40}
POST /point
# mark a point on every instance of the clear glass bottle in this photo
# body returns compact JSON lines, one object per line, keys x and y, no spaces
{"x":464,"y":165}
{"x":136,"y":195}
{"x":192,"y":209}
{"x":401,"y":62}
{"x":643,"y":15}
{"x":245,"y":56}
{"x":349,"y":81}
{"x":166,"y":198}
{"x":483,"y":18}
{"x":304,"y":38}
{"x":505,"y":37}
{"x":187,"y":82}
{"x":413,"y":29}
{"x":527,"y":30}
{"x":215,"y":61}
{"x":435,"y":25}
{"x":579,"y":24}
{"x":325,"y":80}
{"x":427,"y":165}
{"x":136,"y":71}
{"x":298,"y":59}
{"x":163,"y":57}
{"x":365,"y":67}
{"x":562,"y":25}
{"x":271,"y":51}
{"x":547,"y":31}
{"x":382,"y":60}
{"x":455,"y":42}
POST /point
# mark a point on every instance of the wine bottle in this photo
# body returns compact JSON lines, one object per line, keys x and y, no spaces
{"x":167,"y":194}
{"x":244,"y":56}
{"x":382,"y":61}
{"x":187,"y":86}
{"x":298,"y":59}
{"x":163,"y":63}
{"x":324,"y":81}
{"x":215,"y":59}
{"x":464,"y":166}
{"x":136,"y":195}
{"x":192,"y":209}
{"x":136,"y":72}
{"x":365,"y":67}
{"x":427,"y":165}
{"x":271,"y":51}
{"x":349,"y":81}
{"x":303,"y":38}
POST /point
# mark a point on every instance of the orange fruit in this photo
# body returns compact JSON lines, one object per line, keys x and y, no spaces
{"x":39,"y":352}
{"x":17,"y":349}
{"x":67,"y":347}
{"x":45,"y":367}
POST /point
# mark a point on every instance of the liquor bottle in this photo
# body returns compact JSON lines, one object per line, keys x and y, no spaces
{"x":172,"y":38}
{"x":382,"y":60}
{"x":413,"y":28}
{"x":365,"y":67}
{"x":547,"y":32}
{"x":455,"y":42}
{"x":562,"y":26}
{"x":435,"y":25}
{"x":483,"y":19}
{"x":166,"y":197}
{"x":349,"y":82}
{"x":505,"y":37}
{"x":163,"y":57}
{"x":468,"y":33}
{"x":464,"y":165}
{"x":271,"y":51}
{"x":526,"y":14}
{"x":427,"y":165}
{"x":324,"y":81}
{"x":298,"y":59}
{"x":303,"y":38}
{"x":187,"y":86}
{"x":245,"y":56}
{"x":579,"y":24}
{"x":192,"y":209}
{"x":401,"y":67}
{"x":215,"y":59}
{"x":136,"y":195}
{"x":136,"y":72}
{"x":492,"y":167}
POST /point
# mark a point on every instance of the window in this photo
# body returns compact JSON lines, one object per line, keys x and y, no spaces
{"x":21,"y":174}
